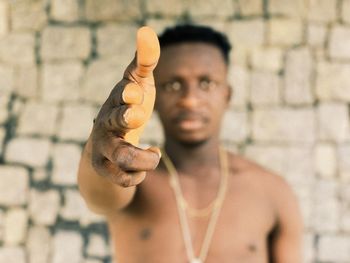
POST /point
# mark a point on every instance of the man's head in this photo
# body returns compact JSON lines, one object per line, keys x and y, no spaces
{"x":191,"y":80}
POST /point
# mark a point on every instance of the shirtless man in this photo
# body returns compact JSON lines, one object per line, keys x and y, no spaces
{"x":218,"y":206}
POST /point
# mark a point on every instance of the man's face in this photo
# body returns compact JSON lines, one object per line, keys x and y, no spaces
{"x":192,"y":91}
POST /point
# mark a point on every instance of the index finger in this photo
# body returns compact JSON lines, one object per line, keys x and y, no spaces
{"x":148,"y":51}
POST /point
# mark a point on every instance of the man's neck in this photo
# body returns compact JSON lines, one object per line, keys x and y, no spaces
{"x":189,"y":158}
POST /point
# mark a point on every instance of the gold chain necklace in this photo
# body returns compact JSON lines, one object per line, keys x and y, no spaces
{"x":215,"y":207}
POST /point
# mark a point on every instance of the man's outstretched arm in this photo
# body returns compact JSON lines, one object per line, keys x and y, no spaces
{"x":111,"y":164}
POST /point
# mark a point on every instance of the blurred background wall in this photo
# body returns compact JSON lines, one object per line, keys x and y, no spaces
{"x":60,"y":58}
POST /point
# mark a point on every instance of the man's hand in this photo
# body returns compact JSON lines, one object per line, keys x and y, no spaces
{"x":123,"y":116}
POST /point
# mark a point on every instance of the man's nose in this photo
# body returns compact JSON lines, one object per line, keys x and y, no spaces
{"x":190,"y":97}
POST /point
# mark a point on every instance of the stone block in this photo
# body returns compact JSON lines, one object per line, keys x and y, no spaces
{"x":4,"y":100}
{"x":265,"y":89}
{"x":12,"y":254}
{"x":235,"y":127}
{"x":76,"y":122}
{"x":286,"y":8}
{"x":326,"y":208}
{"x":325,"y":159}
{"x":100,"y":78}
{"x":270,"y":125}
{"x":250,"y":7}
{"x":333,"y":82}
{"x":34,"y":115}
{"x":316,"y":35}
{"x":165,"y":8}
{"x":267,"y":59}
{"x":7,"y":79}
{"x":159,"y":25}
{"x":334,"y":248}
{"x":106,"y":10}
{"x":14,"y":185}
{"x":309,"y":247}
{"x":346,"y":11}
{"x":153,"y":133}
{"x":67,"y":247}
{"x":97,"y":246}
{"x":283,"y":31}
{"x":2,"y":224}
{"x":2,"y":137}
{"x":61,"y":82}
{"x":74,"y":206}
{"x":40,"y":174}
{"x":4,"y":18}
{"x":117,"y":40}
{"x":58,"y":43}
{"x":18,"y":49}
{"x":28,"y":15}
{"x":298,"y":75}
{"x":247,"y":33}
{"x":26,"y":82}
{"x":344,"y":163}
{"x":239,"y":56}
{"x":339,"y":42}
{"x":38,"y":245}
{"x":223,"y":8}
{"x":238,"y":79}
{"x":65,"y":164}
{"x":21,"y":150}
{"x":16,"y":223}
{"x":333,"y":122}
{"x":43,"y":207}
{"x":65,"y":10}
{"x":89,"y":260}
{"x":323,"y":11}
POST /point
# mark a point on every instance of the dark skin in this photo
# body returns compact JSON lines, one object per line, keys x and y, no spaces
{"x":260,"y":220}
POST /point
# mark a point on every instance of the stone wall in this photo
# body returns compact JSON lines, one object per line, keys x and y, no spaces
{"x":60,"y":58}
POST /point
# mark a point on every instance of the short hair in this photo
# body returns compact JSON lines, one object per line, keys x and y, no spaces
{"x":196,"y":33}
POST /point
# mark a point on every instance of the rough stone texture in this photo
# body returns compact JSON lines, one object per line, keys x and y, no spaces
{"x":333,"y":82}
{"x":100,"y":78}
{"x":339,"y":43}
{"x":69,"y":242}
{"x":238,"y":79}
{"x":21,"y":150}
{"x":61,"y":82}
{"x":323,"y":10}
{"x":248,"y":33}
{"x":16,"y":223}
{"x":344,"y":162}
{"x":65,"y":163}
{"x":38,"y":245}
{"x":17,"y":178}
{"x":270,"y":125}
{"x":250,"y":7}
{"x":297,"y":88}
{"x":2,"y":223}
{"x":4,"y":18}
{"x":309,"y":254}
{"x":333,"y":122}
{"x":74,"y":206}
{"x":286,"y":7}
{"x":316,"y":34}
{"x":326,"y":211}
{"x":2,"y":137}
{"x":265,"y":89}
{"x":17,"y":49}
{"x":65,"y":10}
{"x":153,"y":132}
{"x":329,"y":244}
{"x":34,"y":115}
{"x":6,"y":79}
{"x":26,"y":82}
{"x":43,"y":206}
{"x":236,"y":126}
{"x":116,"y":39}
{"x":97,"y":246}
{"x":325,"y":160}
{"x":346,"y":11}
{"x":284,"y":31}
{"x":76,"y":122}
{"x":12,"y":254}
{"x":28,"y":15}
{"x":157,"y":7}
{"x":4,"y":100}
{"x":269,"y":59}
{"x":59,"y":43}
{"x":160,"y":24}
{"x":112,"y":10}
{"x":40,"y":174}
{"x":199,"y":8}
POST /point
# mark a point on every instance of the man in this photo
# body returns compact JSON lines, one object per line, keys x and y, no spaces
{"x":201,"y":203}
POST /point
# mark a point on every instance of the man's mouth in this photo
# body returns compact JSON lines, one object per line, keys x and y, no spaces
{"x":190,"y":121}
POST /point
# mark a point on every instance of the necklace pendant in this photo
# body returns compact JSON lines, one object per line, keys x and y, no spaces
{"x":196,"y":260}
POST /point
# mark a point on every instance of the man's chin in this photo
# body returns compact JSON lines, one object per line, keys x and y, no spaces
{"x":192,"y":142}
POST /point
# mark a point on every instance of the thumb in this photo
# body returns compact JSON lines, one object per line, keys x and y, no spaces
{"x":148,"y":51}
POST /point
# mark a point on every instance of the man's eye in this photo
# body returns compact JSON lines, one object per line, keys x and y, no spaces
{"x":207,"y":84}
{"x":172,"y":86}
